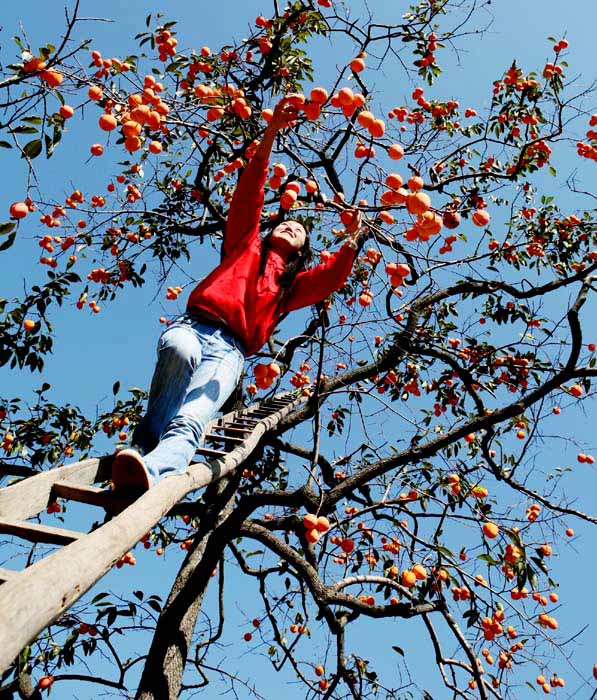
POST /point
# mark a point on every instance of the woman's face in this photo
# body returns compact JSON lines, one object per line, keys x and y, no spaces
{"x":288,"y":237}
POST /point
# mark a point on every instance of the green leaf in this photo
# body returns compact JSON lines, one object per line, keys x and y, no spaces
{"x":49,"y":146}
{"x":99,"y":597}
{"x":51,"y":142}
{"x":398,"y":650}
{"x":112,"y":614}
{"x":23,"y":130}
{"x":47,"y":50}
{"x":488,"y":559}
{"x":138,"y":594}
{"x":116,"y":388}
{"x":32,"y":120}
{"x":32,"y":149}
{"x":24,"y":655}
{"x":5,"y":144}
{"x":154,"y":605}
{"x":6,"y":227}
{"x":532,"y":576}
{"x":8,"y":242}
{"x":473,"y":616}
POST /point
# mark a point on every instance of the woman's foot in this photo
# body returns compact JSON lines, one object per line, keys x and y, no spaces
{"x":129,"y":471}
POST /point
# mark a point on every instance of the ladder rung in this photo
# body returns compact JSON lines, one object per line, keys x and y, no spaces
{"x":227,"y":427}
{"x":223,"y":438}
{"x":39,"y":533}
{"x":93,"y":495}
{"x":7,"y":574}
{"x":30,"y":496}
{"x":208,"y":452}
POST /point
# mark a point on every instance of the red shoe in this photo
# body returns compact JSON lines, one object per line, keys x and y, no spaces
{"x":129,"y":471}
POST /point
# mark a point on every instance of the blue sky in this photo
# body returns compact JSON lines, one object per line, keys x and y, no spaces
{"x":91,"y":351}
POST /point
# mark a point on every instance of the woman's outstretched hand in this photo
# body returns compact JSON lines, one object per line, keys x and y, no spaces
{"x":354,"y":228}
{"x":285,"y":112}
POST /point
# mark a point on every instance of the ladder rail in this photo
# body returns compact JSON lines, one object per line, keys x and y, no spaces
{"x":35,"y":597}
{"x":7,"y":574}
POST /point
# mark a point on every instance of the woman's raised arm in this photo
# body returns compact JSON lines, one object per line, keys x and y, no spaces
{"x":244,"y":214}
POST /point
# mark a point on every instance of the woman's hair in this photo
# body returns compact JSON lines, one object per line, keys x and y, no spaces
{"x":300,"y":261}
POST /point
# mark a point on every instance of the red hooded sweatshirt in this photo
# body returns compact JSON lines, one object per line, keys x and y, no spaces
{"x":237,"y":294}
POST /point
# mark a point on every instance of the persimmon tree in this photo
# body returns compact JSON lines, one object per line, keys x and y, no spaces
{"x":407,"y":486}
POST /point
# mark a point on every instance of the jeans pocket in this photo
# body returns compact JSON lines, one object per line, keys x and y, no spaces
{"x":182,"y":321}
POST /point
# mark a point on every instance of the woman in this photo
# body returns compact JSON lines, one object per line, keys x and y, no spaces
{"x":229,"y":316}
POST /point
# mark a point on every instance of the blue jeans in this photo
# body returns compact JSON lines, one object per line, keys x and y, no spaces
{"x":198,"y":366}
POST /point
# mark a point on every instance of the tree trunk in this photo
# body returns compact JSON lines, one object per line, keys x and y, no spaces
{"x":170,"y":647}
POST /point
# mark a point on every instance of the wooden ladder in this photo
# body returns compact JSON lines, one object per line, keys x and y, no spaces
{"x":33,"y":598}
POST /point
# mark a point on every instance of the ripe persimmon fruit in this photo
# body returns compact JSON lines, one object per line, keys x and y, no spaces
{"x":319,"y":95}
{"x":418,"y":202}
{"x":310,"y":520}
{"x":395,"y":151}
{"x":481,"y":217}
{"x":490,"y":530}
{"x":95,"y":93}
{"x":312,"y":535}
{"x":357,"y":65}
{"x":394,"y":181}
{"x":18,"y":210}
{"x":408,"y":578}
{"x":415,"y":183}
{"x":323,"y":524}
{"x":45,"y":682}
{"x":365,"y":118}
{"x":377,"y":128}
{"x":107,"y":122}
{"x":52,"y":77}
